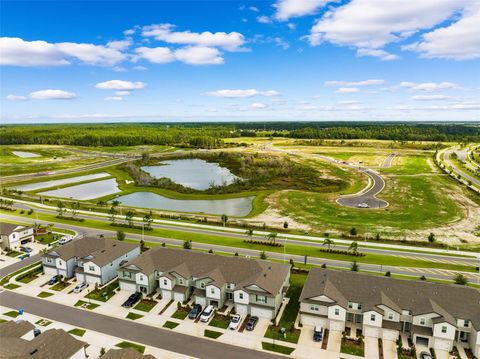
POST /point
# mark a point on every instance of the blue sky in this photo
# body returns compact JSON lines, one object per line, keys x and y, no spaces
{"x":94,"y":61}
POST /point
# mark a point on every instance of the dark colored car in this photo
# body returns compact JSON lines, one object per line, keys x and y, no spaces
{"x":317,"y":334}
{"x":26,"y":249}
{"x":195,"y":312}
{"x":135,"y":297}
{"x":54,"y":280}
{"x":252,"y":322}
{"x":425,"y":355}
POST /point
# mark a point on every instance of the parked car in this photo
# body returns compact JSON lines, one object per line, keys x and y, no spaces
{"x":79,"y":287}
{"x":65,"y":239}
{"x":195,"y":312}
{"x":235,"y":322}
{"x":363,"y":205}
{"x":134,"y":298}
{"x":425,"y":355}
{"x":207,"y":313}
{"x":26,"y":249}
{"x":252,"y":322}
{"x":317,"y":334}
{"x":54,"y":280}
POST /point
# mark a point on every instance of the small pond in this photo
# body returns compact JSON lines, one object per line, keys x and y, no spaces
{"x":192,"y":173}
{"x":53,"y":183}
{"x":23,"y":154}
{"x":232,"y":207}
{"x":86,"y":191}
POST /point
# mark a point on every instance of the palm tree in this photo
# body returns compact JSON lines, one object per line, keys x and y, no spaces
{"x":354,"y":267}
{"x":353,"y":247}
{"x":272,"y":237}
{"x":249,"y":233}
{"x":328,"y":242}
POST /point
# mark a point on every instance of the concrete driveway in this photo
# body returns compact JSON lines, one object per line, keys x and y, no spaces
{"x":389,"y":349}
{"x":307,"y":347}
{"x":371,"y":347}
{"x":247,"y":339}
{"x":442,"y":354}
{"x":334,"y":341}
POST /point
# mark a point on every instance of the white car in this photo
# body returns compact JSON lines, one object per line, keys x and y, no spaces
{"x":207,"y":313}
{"x":363,"y":205}
{"x":235,"y":322}
{"x":65,"y":239}
{"x":80,"y":287}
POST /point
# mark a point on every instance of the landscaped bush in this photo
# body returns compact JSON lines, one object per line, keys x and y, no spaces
{"x":265,"y":243}
{"x":344,"y":252}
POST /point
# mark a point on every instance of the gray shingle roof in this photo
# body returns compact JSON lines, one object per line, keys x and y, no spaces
{"x":222,"y":269}
{"x":15,"y":329}
{"x":9,"y":228}
{"x":420,"y":297}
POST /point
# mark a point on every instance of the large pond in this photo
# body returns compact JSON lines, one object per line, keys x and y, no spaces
{"x":24,"y":154}
{"x":192,"y":173}
{"x":86,"y":191}
{"x":53,"y":183}
{"x":232,"y":207}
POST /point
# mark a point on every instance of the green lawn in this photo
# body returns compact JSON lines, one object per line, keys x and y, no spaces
{"x":105,"y":293}
{"x":44,"y":294}
{"x":145,"y":305}
{"x":133,"y":316}
{"x":277,"y":348}
{"x":12,"y":314}
{"x":170,"y":325}
{"x":5,"y":279}
{"x":48,"y":238}
{"x":352,"y":347}
{"x":220,"y":321}
{"x":90,"y":306}
{"x":11,"y":286}
{"x":137,"y":347}
{"x":60,"y":286}
{"x":13,"y":254}
{"x":43,"y":322}
{"x":180,"y":313}
{"x":212,"y":334}
{"x":77,"y":331}
{"x":30,"y":275}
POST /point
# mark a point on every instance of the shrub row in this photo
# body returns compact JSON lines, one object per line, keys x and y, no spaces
{"x":339,"y":251}
{"x":265,"y":243}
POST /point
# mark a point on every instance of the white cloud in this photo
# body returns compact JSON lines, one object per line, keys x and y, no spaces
{"x":258,"y":106}
{"x":52,"y":95}
{"x":458,"y":41}
{"x":264,"y":19}
{"x":123,"y":93}
{"x":113,"y":98}
{"x":347,"y":102}
{"x":369,"y":82}
{"x":156,"y":55}
{"x":120,"y":44}
{"x":347,"y":90}
{"x":129,"y":32}
{"x":140,"y":68}
{"x":287,"y":9}
{"x":430,"y":98}
{"x":291,"y":26}
{"x":429,"y":86}
{"x":199,"y":55}
{"x":120,"y":85}
{"x":232,"y":41}
{"x":16,"y":98}
{"x":369,"y":25}
{"x":119,"y":69}
{"x":281,"y":43}
{"x":254,"y":9}
{"x":242,"y":93}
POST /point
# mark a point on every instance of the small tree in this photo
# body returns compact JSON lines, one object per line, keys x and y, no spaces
{"x":142,"y":245}
{"x":353,"y":231}
{"x":60,"y":208}
{"x":423,"y":277}
{"x":324,"y":265}
{"x":263,"y":255}
{"x":272,"y":237}
{"x":431,"y":237}
{"x":460,"y":279}
{"x":236,"y":254}
{"x":249,"y":233}
{"x":328,"y":242}
{"x":210,"y":251}
{"x":75,"y":206}
{"x":353,"y":247}
{"x":224,"y":219}
{"x":102,"y":351}
{"x":112,"y":212}
{"x":354,"y":267}
{"x":292,"y":263}
{"x":129,"y":217}
{"x":377,"y":237}
{"x":187,"y":244}
{"x":148,"y":219}
{"x":388,"y":274}
{"x":285,"y":225}
{"x":121,"y":235}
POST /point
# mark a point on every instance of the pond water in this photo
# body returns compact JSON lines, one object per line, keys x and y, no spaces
{"x":192,"y":173}
{"x":86,"y":191}
{"x":25,"y":154}
{"x":46,"y":184}
{"x":232,"y":207}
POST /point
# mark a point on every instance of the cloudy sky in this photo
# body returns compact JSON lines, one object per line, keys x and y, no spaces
{"x":98,"y":61}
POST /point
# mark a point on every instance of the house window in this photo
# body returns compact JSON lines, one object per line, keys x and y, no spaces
{"x":390,"y":316}
{"x":359,"y":307}
{"x":444,"y":328}
{"x":180,"y":281}
{"x":314,"y":307}
{"x":240,"y":295}
{"x":140,"y":277}
{"x":202,"y":285}
{"x":212,"y":290}
{"x":372,"y":317}
{"x":165,"y":282}
{"x":466,"y":323}
{"x":350,"y":305}
{"x":127,"y":275}
{"x":261,"y":299}
{"x":60,"y":262}
{"x":49,"y":260}
{"x":422,"y":321}
{"x":337,"y":311}
{"x":91,"y":268}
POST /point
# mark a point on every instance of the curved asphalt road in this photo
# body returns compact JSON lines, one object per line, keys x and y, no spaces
{"x":446,"y":157}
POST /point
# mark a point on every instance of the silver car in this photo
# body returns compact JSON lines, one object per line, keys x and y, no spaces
{"x":80,"y":287}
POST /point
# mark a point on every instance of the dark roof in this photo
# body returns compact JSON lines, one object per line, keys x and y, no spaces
{"x":221,"y":269}
{"x":421,"y":330}
{"x":9,"y":228}
{"x":388,"y":324}
{"x":15,"y":329}
{"x":126,"y":353}
{"x":448,"y":300}
{"x":102,"y":250}
{"x":46,"y":345}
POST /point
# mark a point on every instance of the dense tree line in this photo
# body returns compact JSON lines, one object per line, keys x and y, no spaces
{"x":210,"y":135}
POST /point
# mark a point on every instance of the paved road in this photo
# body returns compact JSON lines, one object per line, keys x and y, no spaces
{"x":19,"y":265}
{"x":387,"y":163}
{"x":428,"y":272}
{"x":446,"y":157}
{"x":128,"y":330}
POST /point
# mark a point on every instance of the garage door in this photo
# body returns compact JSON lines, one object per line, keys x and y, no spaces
{"x":93,"y":279}
{"x":166,"y":294}
{"x":128,"y":286}
{"x":261,"y":312}
{"x":80,"y":277}
{"x":201,"y":300}
{"x":63,"y":272}
{"x":443,"y":344}
{"x":313,"y":321}
{"x":390,"y":335}
{"x":422,"y":341}
{"x":179,"y":297}
{"x":337,"y":326}
{"x":241,"y":309}
{"x":50,"y":270}
{"x":371,"y":332}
